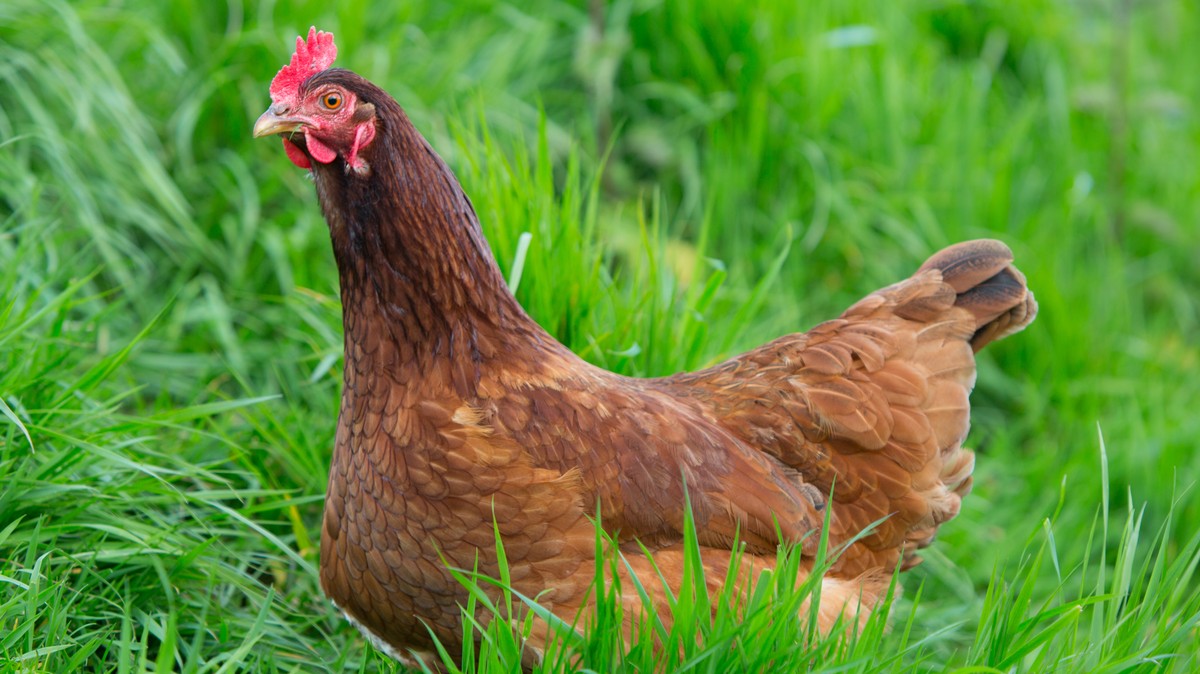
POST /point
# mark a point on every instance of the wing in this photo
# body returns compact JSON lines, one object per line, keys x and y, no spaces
{"x":636,"y":445}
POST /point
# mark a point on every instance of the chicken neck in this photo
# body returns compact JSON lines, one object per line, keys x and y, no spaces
{"x":416,"y":273}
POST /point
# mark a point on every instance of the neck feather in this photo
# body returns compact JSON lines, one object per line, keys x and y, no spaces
{"x":419,"y":285}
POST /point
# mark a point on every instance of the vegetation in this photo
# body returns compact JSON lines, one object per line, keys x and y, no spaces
{"x":665,"y":182}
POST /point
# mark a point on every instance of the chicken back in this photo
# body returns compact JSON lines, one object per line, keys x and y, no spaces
{"x":460,"y":414}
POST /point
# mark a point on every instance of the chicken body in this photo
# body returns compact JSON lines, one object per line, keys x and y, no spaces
{"x":459,"y":411}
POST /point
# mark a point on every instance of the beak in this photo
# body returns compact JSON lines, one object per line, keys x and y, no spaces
{"x":274,"y":121}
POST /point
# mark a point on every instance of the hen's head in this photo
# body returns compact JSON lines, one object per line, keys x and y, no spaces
{"x":320,"y":110}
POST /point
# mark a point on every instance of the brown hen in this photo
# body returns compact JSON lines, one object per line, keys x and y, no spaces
{"x":458,"y":407}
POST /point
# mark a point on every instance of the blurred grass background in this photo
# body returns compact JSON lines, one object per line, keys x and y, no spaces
{"x":694,"y":178}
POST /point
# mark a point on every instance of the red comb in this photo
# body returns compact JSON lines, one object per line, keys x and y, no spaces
{"x":311,"y":57}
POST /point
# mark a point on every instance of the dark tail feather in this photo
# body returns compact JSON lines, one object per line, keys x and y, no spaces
{"x":988,"y":285}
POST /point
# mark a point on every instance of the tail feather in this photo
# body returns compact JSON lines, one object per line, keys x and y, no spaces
{"x":988,"y":285}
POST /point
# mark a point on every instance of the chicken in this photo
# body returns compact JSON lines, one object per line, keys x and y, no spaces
{"x":458,"y":410}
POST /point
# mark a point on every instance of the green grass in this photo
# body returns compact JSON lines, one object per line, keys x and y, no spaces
{"x":682,"y":180}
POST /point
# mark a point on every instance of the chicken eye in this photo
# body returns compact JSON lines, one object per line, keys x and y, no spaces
{"x":332,"y":100}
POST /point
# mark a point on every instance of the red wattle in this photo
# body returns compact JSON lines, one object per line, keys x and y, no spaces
{"x":319,"y":151}
{"x":363,"y":134}
{"x":296,"y":154}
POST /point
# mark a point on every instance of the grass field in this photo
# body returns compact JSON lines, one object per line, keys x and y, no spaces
{"x":694,"y":178}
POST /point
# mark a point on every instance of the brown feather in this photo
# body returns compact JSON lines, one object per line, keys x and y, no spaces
{"x":459,"y":413}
